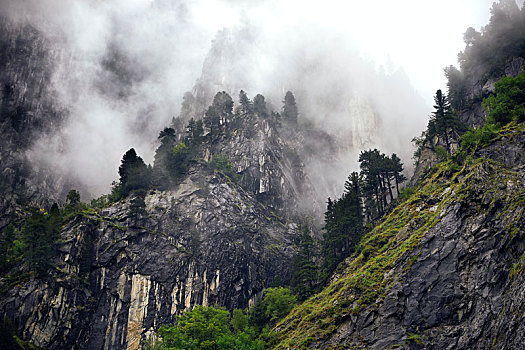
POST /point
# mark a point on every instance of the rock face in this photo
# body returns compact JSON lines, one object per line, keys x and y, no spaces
{"x":120,"y":275}
{"x":480,"y":84}
{"x":448,"y":272}
{"x":271,"y":155}
{"x":28,"y":110}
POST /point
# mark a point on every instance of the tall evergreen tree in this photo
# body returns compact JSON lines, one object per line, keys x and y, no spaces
{"x":134,"y":174}
{"x":290,"y":112}
{"x":246,"y":104}
{"x":259,"y":106}
{"x":443,"y":120}
{"x":163,"y":158}
{"x":397,"y":171}
{"x":212,"y":121}
{"x":38,"y":235}
{"x":343,"y":225}
{"x":304,"y":270}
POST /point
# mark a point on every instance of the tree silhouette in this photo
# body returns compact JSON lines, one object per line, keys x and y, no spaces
{"x":290,"y":108}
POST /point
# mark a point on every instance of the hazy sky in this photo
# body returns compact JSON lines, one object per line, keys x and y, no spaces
{"x":366,"y":70}
{"x":421,"y":36}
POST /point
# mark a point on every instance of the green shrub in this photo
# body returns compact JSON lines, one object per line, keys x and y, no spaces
{"x":441,"y":153}
{"x":477,"y":138}
{"x":508,"y":103}
{"x":222,"y":163}
{"x":207,"y":328}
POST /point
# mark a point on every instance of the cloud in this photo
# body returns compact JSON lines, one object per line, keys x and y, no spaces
{"x":125,"y":65}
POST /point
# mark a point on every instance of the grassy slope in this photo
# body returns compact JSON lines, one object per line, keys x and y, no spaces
{"x":392,"y":247}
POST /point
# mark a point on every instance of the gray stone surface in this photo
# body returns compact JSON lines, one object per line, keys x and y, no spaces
{"x":205,"y":242}
{"x":465,"y":289}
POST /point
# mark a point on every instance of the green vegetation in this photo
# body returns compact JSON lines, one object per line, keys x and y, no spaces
{"x":209,"y":328}
{"x":487,"y":52}
{"x":444,"y":120}
{"x":27,"y":247}
{"x":379,"y":173}
{"x":134,"y":175}
{"x":478,"y":138}
{"x":304,"y":271}
{"x":508,"y":102}
{"x":221,"y":163}
{"x":290,"y":112}
{"x":34,"y":243}
{"x":343,"y":225}
{"x":416,"y":338}
{"x":214,"y":328}
{"x":390,"y":249}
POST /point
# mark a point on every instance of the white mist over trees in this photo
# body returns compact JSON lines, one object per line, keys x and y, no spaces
{"x":125,"y":66}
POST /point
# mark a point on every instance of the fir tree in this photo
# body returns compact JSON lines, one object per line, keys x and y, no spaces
{"x":443,"y":120}
{"x":246,"y":104}
{"x":259,"y":106}
{"x":343,"y":224}
{"x":304,"y":270}
{"x":290,"y":113}
{"x":134,"y":174}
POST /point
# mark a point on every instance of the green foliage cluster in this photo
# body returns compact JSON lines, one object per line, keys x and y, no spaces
{"x":304,"y":270}
{"x":506,"y":112}
{"x":379,"y":174}
{"x":392,"y":246}
{"x":276,"y":303}
{"x":508,"y":102}
{"x":444,"y":120}
{"x":480,"y":137}
{"x":214,"y":328}
{"x":29,"y":246}
{"x":219,"y":114}
{"x":134,"y":175}
{"x":33,"y":243}
{"x":221,"y":163}
{"x":343,"y":225}
{"x":209,"y":328}
{"x":487,"y":52}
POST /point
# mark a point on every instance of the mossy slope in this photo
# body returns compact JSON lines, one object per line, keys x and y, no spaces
{"x":416,"y":275}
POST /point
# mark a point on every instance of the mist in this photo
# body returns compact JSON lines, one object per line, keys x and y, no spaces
{"x":364,"y":72}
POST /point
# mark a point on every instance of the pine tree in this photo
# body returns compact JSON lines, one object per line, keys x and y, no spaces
{"x":304,"y":270}
{"x":163,"y":158}
{"x":134,"y":174}
{"x":397,"y":169}
{"x":212,"y":121}
{"x":259,"y":106}
{"x":38,"y":235}
{"x":443,"y":121}
{"x":290,"y":113}
{"x":246,"y":104}
{"x":343,"y":224}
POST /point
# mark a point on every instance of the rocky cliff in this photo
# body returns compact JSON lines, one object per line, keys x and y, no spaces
{"x":443,"y":271}
{"x":28,"y":111}
{"x":119,"y":275}
{"x":274,"y":160}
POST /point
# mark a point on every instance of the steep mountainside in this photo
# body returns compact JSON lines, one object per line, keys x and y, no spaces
{"x":28,"y":110}
{"x":119,"y":274}
{"x":274,"y":160}
{"x":443,"y":271}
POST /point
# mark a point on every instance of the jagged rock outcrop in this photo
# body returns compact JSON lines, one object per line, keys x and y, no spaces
{"x":271,"y":157}
{"x":120,"y":275}
{"x":445,"y":270}
{"x":28,"y":111}
{"x":276,"y":160}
